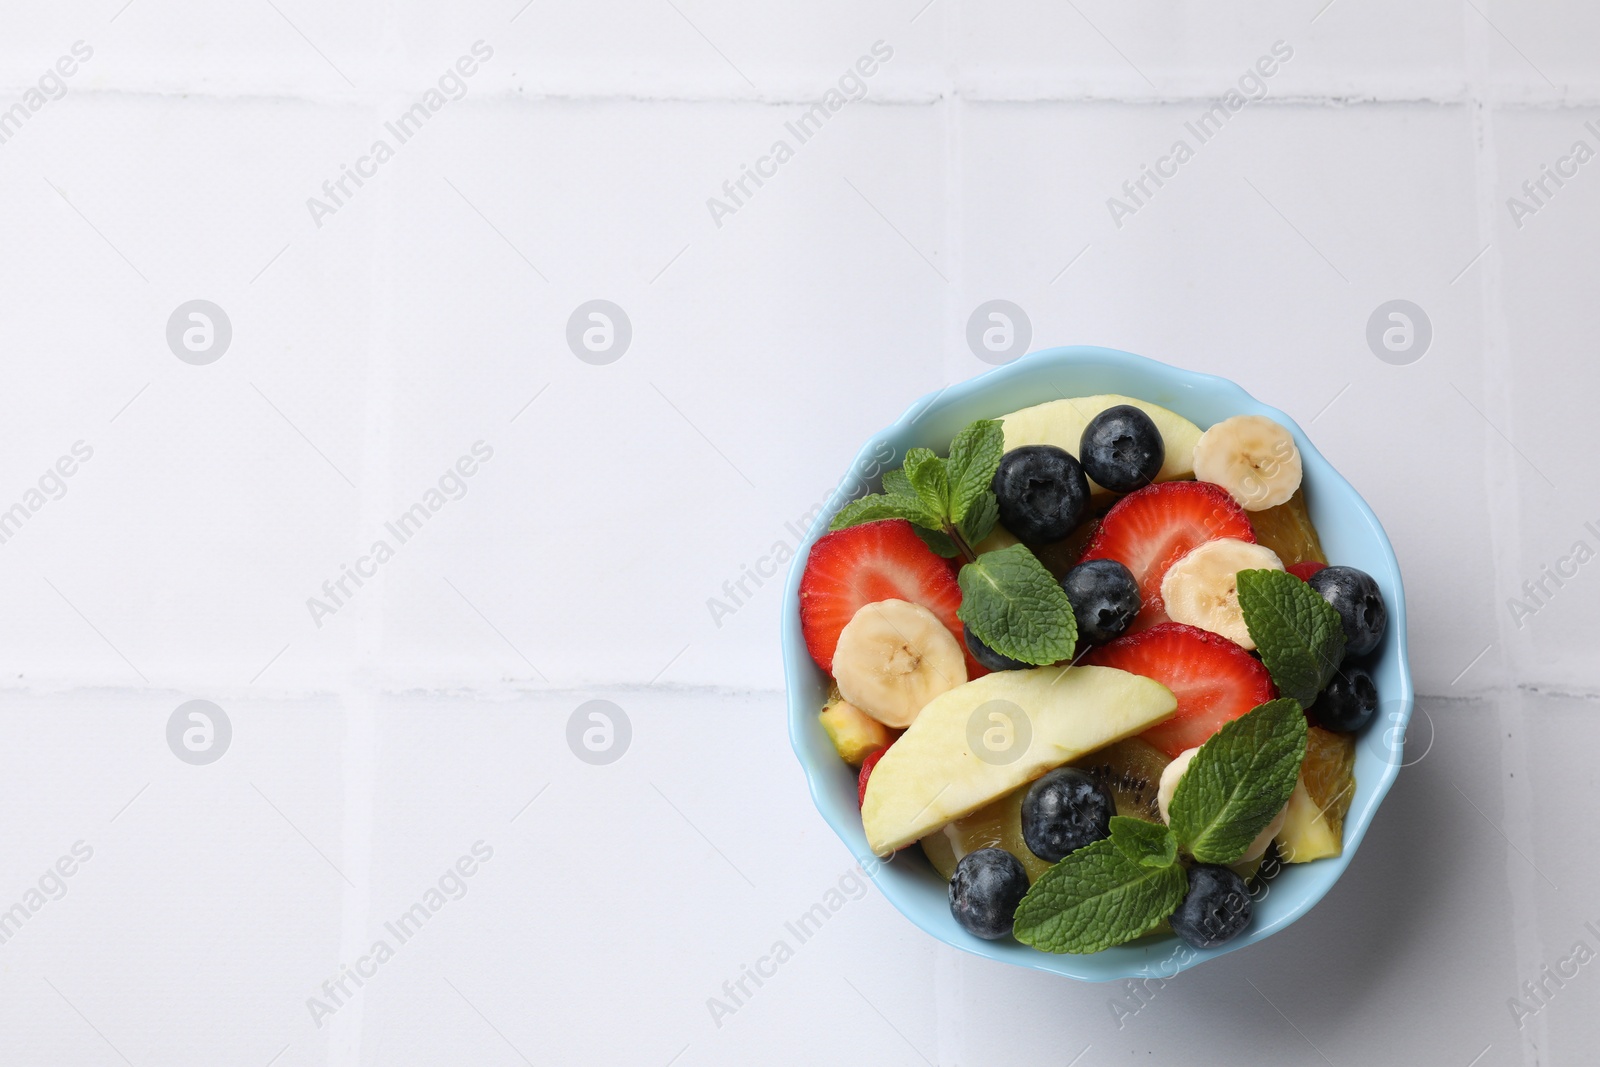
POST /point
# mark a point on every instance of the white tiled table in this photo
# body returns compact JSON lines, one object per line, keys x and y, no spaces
{"x":428,"y":313}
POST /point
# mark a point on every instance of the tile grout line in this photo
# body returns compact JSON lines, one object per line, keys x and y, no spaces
{"x":916,"y":95}
{"x":1505,"y":532}
{"x":358,"y":762}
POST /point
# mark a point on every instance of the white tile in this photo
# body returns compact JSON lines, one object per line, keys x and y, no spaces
{"x":1147,"y":50}
{"x":1542,"y":264}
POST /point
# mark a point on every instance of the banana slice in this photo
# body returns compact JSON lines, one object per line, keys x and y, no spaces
{"x":1169,"y":785}
{"x":1202,"y":588}
{"x":1253,"y":458}
{"x":894,"y":657}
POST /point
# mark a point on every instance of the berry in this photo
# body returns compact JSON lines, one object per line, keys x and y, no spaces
{"x":1349,"y":701}
{"x":988,"y":656}
{"x":1305,"y":569}
{"x":1105,"y":599}
{"x":984,"y":894}
{"x":1042,"y":491}
{"x":1216,"y":908}
{"x":1214,"y":679}
{"x":866,"y":772}
{"x":861,"y":565}
{"x":1122,"y":449}
{"x":1151,"y":529}
{"x":1355,"y":596}
{"x":1065,"y":810}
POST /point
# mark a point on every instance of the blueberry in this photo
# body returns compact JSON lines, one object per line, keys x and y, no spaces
{"x":984,"y":894}
{"x":1065,"y":810}
{"x":1354,"y":595}
{"x":988,"y":656}
{"x":1042,"y":491}
{"x":1216,"y":908}
{"x":1105,"y":599}
{"x":1349,"y":702}
{"x":1122,"y":449}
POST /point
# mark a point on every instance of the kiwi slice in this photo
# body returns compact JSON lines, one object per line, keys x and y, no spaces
{"x":1131,"y":769}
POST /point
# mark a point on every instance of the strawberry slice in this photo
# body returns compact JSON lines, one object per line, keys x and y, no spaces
{"x":1149,"y":530}
{"x":1214,"y":679}
{"x":861,"y":565}
{"x":1305,"y":570}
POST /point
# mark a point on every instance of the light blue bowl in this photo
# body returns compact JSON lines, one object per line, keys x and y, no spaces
{"x":1350,"y":534}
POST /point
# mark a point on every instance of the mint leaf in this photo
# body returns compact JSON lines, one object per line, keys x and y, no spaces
{"x":938,"y":540}
{"x":931,"y":483}
{"x":974,"y":457}
{"x":1239,"y":781}
{"x":1296,"y":631}
{"x":895,"y":483}
{"x":1095,"y":898}
{"x":1149,"y":843}
{"x":1016,"y":607}
{"x":981,"y":516}
{"x":878,"y":506}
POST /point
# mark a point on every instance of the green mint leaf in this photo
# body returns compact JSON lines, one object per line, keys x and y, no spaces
{"x":895,"y":483}
{"x":1149,"y":843}
{"x":937,"y":540}
{"x":1016,"y":607}
{"x":879,"y":506}
{"x":930,"y":481}
{"x":982,"y":514}
{"x":1095,"y":898}
{"x":1295,"y":630}
{"x":1239,"y":781}
{"x":974,"y":457}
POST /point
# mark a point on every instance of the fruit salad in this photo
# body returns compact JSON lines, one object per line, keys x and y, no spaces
{"x":1093,"y":663}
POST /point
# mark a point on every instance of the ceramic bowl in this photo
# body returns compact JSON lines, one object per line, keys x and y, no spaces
{"x":1350,"y":535}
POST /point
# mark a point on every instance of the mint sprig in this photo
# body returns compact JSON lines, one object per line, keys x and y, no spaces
{"x":1149,"y":843}
{"x":1016,"y":607}
{"x":974,"y":457}
{"x":1239,"y":781}
{"x":1095,"y":898}
{"x":1296,"y":631}
{"x":1122,"y":886}
{"x":949,"y":501}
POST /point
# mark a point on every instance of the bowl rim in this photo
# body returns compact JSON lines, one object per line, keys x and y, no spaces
{"x":1100,"y":966}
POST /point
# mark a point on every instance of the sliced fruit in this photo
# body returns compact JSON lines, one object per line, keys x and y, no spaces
{"x":1202,"y":588}
{"x":1314,"y":824}
{"x":996,"y":825}
{"x":1215,"y":681}
{"x":863,"y":564}
{"x":1152,"y":529}
{"x":1062,"y":422}
{"x":1131,"y":769}
{"x":893,"y":658}
{"x":854,"y":733}
{"x":1169,"y":785}
{"x":1047,"y":716}
{"x":1253,"y":458}
{"x":1287,"y":530}
{"x":1304,"y":571}
{"x":866,"y":773}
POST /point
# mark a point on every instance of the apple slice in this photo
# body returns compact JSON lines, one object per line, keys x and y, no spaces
{"x":1062,"y":422}
{"x":1023,"y":722}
